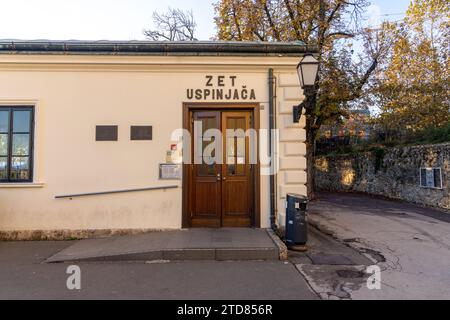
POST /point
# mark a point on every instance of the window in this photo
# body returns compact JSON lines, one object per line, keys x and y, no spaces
{"x":438,"y":178}
{"x":431,"y":178}
{"x":16,"y":144}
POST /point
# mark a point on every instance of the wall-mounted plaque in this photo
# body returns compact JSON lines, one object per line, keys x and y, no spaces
{"x":170,"y":171}
{"x":106,"y":133}
{"x":141,"y":133}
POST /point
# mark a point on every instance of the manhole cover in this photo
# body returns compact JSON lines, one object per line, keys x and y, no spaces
{"x":350,"y":274}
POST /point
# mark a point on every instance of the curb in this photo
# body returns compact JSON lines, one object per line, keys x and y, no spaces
{"x":282,"y":249}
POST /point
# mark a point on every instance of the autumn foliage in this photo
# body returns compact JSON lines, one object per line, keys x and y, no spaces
{"x":413,"y":85}
{"x":331,"y":26}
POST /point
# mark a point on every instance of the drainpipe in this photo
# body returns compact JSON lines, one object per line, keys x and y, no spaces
{"x":273,"y":223}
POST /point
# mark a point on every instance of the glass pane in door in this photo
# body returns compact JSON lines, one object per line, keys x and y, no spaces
{"x":205,"y":151}
{"x":236,"y":146}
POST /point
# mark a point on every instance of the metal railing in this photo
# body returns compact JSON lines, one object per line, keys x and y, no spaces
{"x":71,"y":196}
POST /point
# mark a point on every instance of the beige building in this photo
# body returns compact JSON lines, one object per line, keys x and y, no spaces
{"x":90,"y":136}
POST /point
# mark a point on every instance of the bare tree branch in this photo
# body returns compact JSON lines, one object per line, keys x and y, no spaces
{"x":173,"y":25}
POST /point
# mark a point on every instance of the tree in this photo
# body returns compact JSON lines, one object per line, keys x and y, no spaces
{"x":173,"y":25}
{"x":330,"y":25}
{"x":413,"y":86}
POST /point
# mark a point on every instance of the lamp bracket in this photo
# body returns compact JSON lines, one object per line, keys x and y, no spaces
{"x":308,"y":91}
{"x":298,"y":111}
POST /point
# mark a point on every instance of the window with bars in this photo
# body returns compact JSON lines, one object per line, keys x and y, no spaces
{"x":431,"y":178}
{"x":16,"y":144}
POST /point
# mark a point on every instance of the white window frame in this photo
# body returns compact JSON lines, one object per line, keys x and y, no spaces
{"x":441,"y":187}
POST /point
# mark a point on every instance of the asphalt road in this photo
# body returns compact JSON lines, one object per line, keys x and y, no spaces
{"x":410,"y":244}
{"x":24,"y":276}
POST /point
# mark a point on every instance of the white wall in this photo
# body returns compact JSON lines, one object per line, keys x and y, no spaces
{"x":74,"y":94}
{"x":292,"y":177}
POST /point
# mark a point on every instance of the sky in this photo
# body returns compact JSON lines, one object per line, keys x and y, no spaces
{"x":121,"y":19}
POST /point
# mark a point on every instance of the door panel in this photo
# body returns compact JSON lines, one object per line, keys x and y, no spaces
{"x":237,"y":191}
{"x":205,"y":187}
{"x":222,"y":194}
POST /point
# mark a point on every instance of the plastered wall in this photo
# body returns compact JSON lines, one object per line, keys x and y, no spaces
{"x":291,"y":149}
{"x":72,"y":95}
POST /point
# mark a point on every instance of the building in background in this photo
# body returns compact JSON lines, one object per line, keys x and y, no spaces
{"x":354,"y":130}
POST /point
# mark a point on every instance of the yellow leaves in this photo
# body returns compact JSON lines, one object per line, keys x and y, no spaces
{"x":240,"y":20}
{"x":424,"y":15}
{"x":415,"y":82}
{"x":420,"y":9}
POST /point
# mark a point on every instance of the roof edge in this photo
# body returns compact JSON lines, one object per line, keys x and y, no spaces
{"x":187,"y":48}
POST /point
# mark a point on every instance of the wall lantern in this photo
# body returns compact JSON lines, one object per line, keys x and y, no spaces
{"x":307,"y":71}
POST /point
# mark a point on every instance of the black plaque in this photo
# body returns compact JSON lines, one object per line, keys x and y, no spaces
{"x":107,"y":133}
{"x":141,"y":133}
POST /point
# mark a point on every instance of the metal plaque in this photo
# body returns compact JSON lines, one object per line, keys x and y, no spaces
{"x":141,"y":133}
{"x":106,"y":133}
{"x":170,"y":172}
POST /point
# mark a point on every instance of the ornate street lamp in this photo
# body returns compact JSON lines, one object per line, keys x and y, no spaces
{"x":307,"y":71}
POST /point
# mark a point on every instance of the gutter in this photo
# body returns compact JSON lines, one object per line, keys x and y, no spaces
{"x":186,"y":48}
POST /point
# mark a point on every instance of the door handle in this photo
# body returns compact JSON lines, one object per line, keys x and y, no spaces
{"x":219,"y":177}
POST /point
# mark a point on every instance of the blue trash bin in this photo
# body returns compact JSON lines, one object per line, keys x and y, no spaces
{"x":296,"y":220}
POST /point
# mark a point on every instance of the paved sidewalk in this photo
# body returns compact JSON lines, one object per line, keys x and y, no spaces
{"x":23,"y":275}
{"x":410,"y":244}
{"x":329,"y":266}
{"x":182,"y":245}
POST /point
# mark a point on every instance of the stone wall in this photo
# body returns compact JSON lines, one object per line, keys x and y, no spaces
{"x":392,"y":173}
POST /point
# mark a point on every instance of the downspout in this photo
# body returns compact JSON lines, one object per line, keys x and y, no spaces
{"x":273,"y":223}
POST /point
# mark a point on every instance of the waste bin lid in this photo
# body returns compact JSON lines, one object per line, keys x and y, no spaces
{"x":297,"y":196}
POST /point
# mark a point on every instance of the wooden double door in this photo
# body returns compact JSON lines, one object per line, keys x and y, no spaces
{"x":221,"y":176}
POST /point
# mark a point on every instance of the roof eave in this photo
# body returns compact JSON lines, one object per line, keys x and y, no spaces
{"x":156,"y":48}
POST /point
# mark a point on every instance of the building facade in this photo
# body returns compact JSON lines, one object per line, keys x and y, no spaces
{"x":100,"y":137}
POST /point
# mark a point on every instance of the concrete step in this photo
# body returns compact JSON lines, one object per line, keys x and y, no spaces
{"x":182,"y":245}
{"x":179,"y":255}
